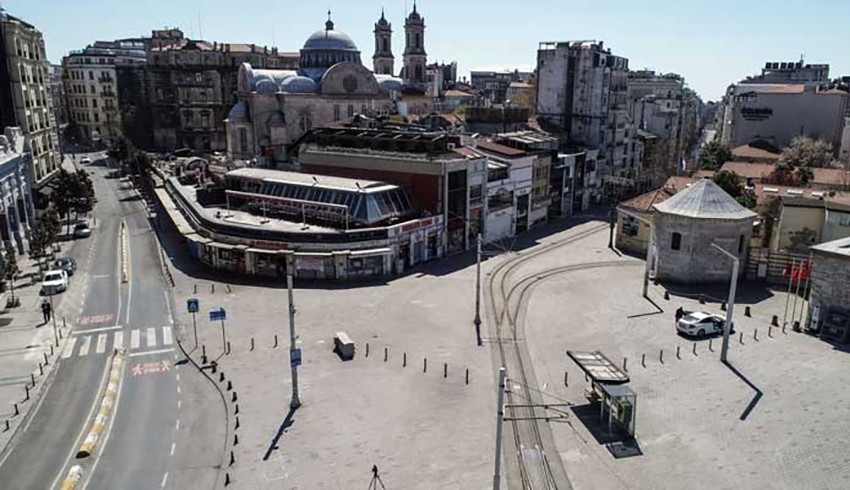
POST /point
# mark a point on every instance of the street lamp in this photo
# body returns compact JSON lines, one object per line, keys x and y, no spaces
{"x":730,"y":303}
{"x":477,"y":320}
{"x":650,"y":255}
{"x":294,"y":355}
{"x":53,"y":316}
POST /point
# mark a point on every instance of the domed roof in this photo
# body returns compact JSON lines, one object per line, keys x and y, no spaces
{"x":298,"y":85}
{"x":389,"y":83}
{"x":266,"y":86}
{"x":705,"y":200}
{"x":382,"y":22}
{"x":238,"y":113}
{"x":415,"y":14}
{"x":329,"y":39}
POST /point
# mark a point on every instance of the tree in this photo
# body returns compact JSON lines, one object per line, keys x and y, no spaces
{"x":713,"y":155}
{"x":732,"y":184}
{"x":9,"y":270}
{"x":808,"y":153}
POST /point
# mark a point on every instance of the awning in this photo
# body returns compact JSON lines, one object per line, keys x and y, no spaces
{"x":598,"y":367}
{"x":371,"y":253}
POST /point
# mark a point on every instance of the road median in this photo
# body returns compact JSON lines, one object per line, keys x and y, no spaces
{"x":106,"y":405}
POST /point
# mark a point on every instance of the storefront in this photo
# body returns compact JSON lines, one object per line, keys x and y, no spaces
{"x":369,"y":263}
{"x":230,"y":257}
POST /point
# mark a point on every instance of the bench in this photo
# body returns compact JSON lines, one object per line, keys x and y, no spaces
{"x":343,"y":346}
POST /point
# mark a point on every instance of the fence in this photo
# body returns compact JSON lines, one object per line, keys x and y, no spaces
{"x":772,"y":266}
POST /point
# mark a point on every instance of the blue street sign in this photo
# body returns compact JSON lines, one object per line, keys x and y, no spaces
{"x":295,"y":357}
{"x":216,"y":315}
{"x":192,"y":305}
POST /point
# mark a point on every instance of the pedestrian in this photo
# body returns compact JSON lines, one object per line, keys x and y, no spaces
{"x":45,"y":310}
{"x":679,"y":313}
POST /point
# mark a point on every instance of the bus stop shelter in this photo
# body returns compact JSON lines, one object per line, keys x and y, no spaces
{"x":617,"y":401}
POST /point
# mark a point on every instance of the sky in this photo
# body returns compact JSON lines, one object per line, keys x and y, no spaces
{"x":712,"y":44}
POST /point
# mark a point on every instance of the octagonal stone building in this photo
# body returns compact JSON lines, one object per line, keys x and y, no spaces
{"x":688,"y":223}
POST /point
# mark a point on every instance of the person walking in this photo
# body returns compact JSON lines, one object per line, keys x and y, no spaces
{"x":46,"y":310}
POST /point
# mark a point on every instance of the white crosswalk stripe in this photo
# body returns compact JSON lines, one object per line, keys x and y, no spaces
{"x":151,"y":337}
{"x":134,"y":339}
{"x":84,"y":348}
{"x":69,"y":349}
{"x":166,"y":336}
{"x":119,"y":340}
{"x":101,"y":344}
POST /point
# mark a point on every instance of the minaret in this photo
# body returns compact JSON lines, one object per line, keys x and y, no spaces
{"x":415,"y":57}
{"x":383,"y":62}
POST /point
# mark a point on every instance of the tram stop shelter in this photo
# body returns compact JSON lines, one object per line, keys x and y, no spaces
{"x":617,"y":401}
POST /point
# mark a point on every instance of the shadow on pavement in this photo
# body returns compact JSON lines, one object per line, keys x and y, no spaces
{"x":287,"y":423}
{"x":619,"y":443}
{"x":747,"y":411}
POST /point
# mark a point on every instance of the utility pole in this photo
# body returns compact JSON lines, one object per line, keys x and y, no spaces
{"x":296,"y":402}
{"x":730,"y":303}
{"x":500,"y":416}
{"x":195,"y":326}
{"x":477,"y":320}
{"x":612,"y":220}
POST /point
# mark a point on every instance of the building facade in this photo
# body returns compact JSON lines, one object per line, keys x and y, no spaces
{"x":829,"y":314}
{"x":17,"y":213}
{"x":791,"y":72}
{"x":383,"y":62}
{"x":25,"y":97}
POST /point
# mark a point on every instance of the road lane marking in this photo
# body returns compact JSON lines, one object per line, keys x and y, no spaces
{"x":119,"y":340}
{"x":178,"y":389}
{"x":69,"y":349}
{"x":101,"y":344}
{"x":177,"y":426}
{"x":97,"y":330}
{"x":165,"y":477}
{"x":151,"y":352}
{"x":84,"y":349}
{"x":173,"y":446}
{"x":151,"y":337}
{"x":134,"y":339}
{"x":166,"y":336}
{"x":178,"y":404}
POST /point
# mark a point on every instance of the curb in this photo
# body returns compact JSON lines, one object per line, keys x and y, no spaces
{"x":75,"y":474}
{"x":102,"y":418}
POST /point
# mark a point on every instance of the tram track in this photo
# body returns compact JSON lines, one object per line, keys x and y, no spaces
{"x":532,"y":463}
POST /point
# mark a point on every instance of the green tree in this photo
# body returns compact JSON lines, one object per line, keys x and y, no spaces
{"x":714,"y":155}
{"x":734,"y":186}
{"x":808,"y":153}
{"x":10,"y":269}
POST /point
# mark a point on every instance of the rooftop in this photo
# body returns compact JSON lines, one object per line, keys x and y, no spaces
{"x":840,"y":247}
{"x":340,"y":183}
{"x":704,"y":200}
{"x":500,"y":150}
{"x":757,"y":150}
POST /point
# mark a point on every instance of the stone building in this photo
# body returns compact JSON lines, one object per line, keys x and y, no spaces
{"x":16,"y":205}
{"x":25,"y":96}
{"x":686,"y":225}
{"x":415,"y":59}
{"x":830,"y":296}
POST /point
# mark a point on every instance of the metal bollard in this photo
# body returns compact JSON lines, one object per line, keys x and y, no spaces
{"x":236,"y":426}
{"x":775,"y":321}
{"x":770,"y":331}
{"x":678,"y":352}
{"x":229,"y":385}
{"x":747,"y":311}
{"x":234,"y":397}
{"x":385,"y":354}
{"x":228,"y":288}
{"x":467,"y":375}
{"x":424,"y":364}
{"x":221,"y":377}
{"x":445,"y":370}
{"x":756,"y":335}
{"x":226,"y":479}
{"x":213,"y":367}
{"x":228,"y":348}
{"x":235,"y":439}
{"x":212,"y":287}
{"x":196,"y":289}
{"x":32,"y":377}
{"x":7,"y":425}
{"x":567,"y":379}
{"x":695,"y":348}
{"x":741,"y":338}
{"x":16,"y":410}
{"x":252,"y":344}
{"x":661,"y":356}
{"x":232,"y":459}
{"x":367,"y":349}
{"x":701,"y":299}
{"x":275,"y":341}
{"x":27,"y":388}
{"x":723,"y":306}
{"x":41,"y":369}
{"x":667,"y":295}
{"x":204,"y":351}
{"x":46,"y":363}
{"x":51,"y":350}
{"x":711,"y":345}
{"x":60,"y":334}
{"x":404,"y":360}
{"x":236,"y":409}
{"x":625,"y":369}
{"x":783,"y":330}
{"x":63,"y":322}
{"x":643,"y":360}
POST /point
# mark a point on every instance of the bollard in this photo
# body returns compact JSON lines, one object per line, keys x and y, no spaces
{"x":63,"y":323}
{"x":701,"y":299}
{"x":747,"y":311}
{"x":252,"y":344}
{"x":783,"y":329}
{"x":235,"y":439}
{"x":567,"y":379}
{"x":643,"y":360}
{"x":234,"y":397}
{"x":678,"y":352}
{"x":385,"y":354}
{"x":226,"y":479}
{"x":710,"y":345}
{"x":445,"y":370}
{"x":770,"y":331}
{"x":275,"y":341}
{"x":46,"y":363}
{"x":741,"y":338}
{"x":221,"y":377}
{"x":212,"y":288}
{"x":229,"y":385}
{"x":228,"y":288}
{"x":204,"y":359}
{"x":196,"y":289}
{"x":236,"y":410}
{"x":367,"y":349}
{"x":16,"y":410}
{"x":204,"y":351}
{"x":7,"y":425}
{"x":232,"y":459}
{"x":661,"y":356}
{"x":237,"y":424}
{"x":425,"y":365}
{"x":27,"y":388}
{"x":32,"y":377}
{"x":51,"y":350}
{"x":775,"y":321}
{"x":60,"y":334}
{"x":796,"y":326}
{"x":467,"y":375}
{"x":404,"y":361}
{"x":213,"y":368}
{"x":723,"y":306}
{"x":756,"y":335}
{"x":41,"y":369}
{"x":228,"y":347}
{"x":667,"y":295}
{"x":625,"y":369}
{"x":695,"y":348}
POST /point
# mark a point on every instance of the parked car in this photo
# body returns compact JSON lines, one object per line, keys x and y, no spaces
{"x":82,"y":230}
{"x":67,"y":264}
{"x":53,"y":282}
{"x":700,"y":324}
{"x":85,"y":160}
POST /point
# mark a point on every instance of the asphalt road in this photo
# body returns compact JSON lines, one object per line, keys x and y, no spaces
{"x":144,"y":446}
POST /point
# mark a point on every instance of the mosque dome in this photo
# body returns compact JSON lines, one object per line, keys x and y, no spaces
{"x":298,"y":85}
{"x":330,"y":39}
{"x":388,"y":83}
{"x":326,"y":48}
{"x":266,"y":86}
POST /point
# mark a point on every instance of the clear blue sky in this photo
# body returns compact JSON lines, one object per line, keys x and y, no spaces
{"x":711,"y":43}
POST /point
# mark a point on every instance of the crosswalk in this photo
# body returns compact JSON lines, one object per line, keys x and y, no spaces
{"x":102,"y":340}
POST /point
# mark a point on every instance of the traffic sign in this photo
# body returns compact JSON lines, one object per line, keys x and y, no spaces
{"x":219,"y":314}
{"x":295,"y":357}
{"x":192,"y":305}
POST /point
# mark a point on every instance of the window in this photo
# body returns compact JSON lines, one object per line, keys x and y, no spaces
{"x":845,"y":220}
{"x":386,"y":43}
{"x":741,"y":244}
{"x":205,"y":119}
{"x":91,"y":75}
{"x":336,"y":113}
{"x":199,"y":77}
{"x":306,"y":123}
{"x":94,"y":103}
{"x":92,"y":89}
{"x":243,"y":140}
{"x":96,"y":117}
{"x":350,"y":111}
{"x":418,"y":40}
{"x":676,"y":242}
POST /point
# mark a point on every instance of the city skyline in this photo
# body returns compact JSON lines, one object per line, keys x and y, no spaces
{"x":709,"y":61}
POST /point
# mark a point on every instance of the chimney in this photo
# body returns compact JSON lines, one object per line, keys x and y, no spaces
{"x":253,"y":48}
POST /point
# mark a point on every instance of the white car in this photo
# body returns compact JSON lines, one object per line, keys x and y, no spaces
{"x":85,"y":160}
{"x":54,"y":282}
{"x":700,"y":324}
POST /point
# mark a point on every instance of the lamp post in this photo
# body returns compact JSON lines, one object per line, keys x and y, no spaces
{"x":730,"y":302}
{"x":477,"y":320}
{"x":53,"y":316}
{"x":296,"y":401}
{"x":612,"y":219}
{"x":650,"y":252}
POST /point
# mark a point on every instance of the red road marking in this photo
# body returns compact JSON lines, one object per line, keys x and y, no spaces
{"x":147,"y":368}
{"x":96,"y":319}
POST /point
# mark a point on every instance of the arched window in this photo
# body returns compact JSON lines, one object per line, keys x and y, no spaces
{"x":676,"y":242}
{"x":386,"y":44}
{"x":418,"y":72}
{"x":741,"y":244}
{"x":418,"y":40}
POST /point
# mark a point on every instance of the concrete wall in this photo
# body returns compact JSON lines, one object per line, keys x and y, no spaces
{"x":793,"y":220}
{"x":697,"y":261}
{"x":632,"y":235}
{"x":830,"y":282}
{"x":837,"y":225}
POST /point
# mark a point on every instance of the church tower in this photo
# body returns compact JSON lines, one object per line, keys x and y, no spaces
{"x":415,"y":57}
{"x":383,"y":62}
